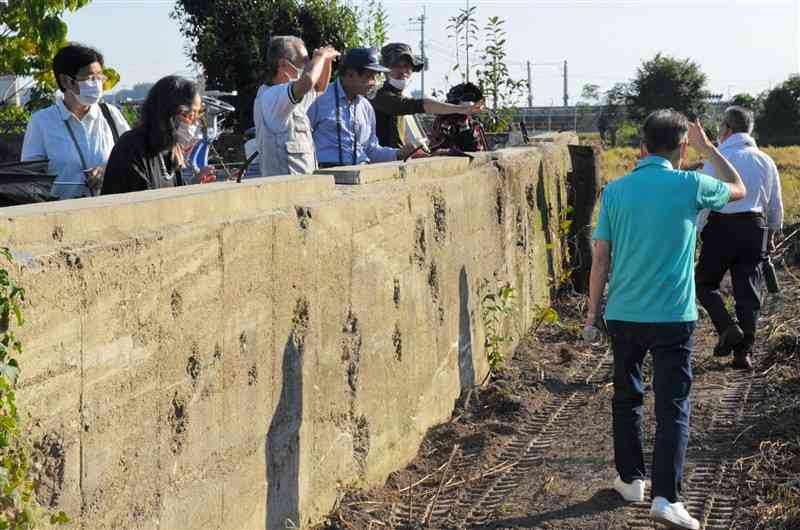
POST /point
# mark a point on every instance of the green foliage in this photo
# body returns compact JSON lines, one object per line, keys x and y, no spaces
{"x":544,"y":315}
{"x":628,"y":133}
{"x":496,"y":306}
{"x":590,"y":93}
{"x":778,"y":121}
{"x":13,"y":119}
{"x":667,"y":82}
{"x":131,"y":113}
{"x":494,"y":78}
{"x":463,"y":28}
{"x":19,"y":508}
{"x":228,"y":37}
{"x":745,"y":100}
{"x":31,"y":32}
{"x":374,"y":24}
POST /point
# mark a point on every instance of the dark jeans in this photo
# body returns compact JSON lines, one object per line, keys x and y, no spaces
{"x":736,"y":243}
{"x":671,"y":347}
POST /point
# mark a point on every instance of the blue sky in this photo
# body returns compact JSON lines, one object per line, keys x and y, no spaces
{"x":743,"y":45}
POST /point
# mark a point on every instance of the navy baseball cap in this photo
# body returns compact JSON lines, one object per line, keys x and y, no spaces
{"x":368,"y":58}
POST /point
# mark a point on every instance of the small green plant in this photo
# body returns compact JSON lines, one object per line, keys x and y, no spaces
{"x":544,"y":315}
{"x":496,"y":306}
{"x":19,"y":507}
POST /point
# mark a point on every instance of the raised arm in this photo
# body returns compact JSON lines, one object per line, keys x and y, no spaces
{"x":723,"y":170}
{"x":316,"y":75}
{"x":437,"y":107}
{"x":325,"y":77}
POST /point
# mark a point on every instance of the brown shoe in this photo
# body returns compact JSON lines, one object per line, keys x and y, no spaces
{"x":729,"y":338}
{"x":742,"y":361}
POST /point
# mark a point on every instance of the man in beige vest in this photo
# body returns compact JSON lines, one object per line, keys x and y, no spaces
{"x":293,"y":82}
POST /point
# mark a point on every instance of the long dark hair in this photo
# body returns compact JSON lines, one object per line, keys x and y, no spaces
{"x":169,"y":97}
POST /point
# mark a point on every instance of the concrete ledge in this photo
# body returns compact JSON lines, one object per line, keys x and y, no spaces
{"x":365,"y":173}
{"x":93,"y":218}
{"x":427,"y":168}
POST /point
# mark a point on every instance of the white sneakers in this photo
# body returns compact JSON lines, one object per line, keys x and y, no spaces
{"x":633,"y":492}
{"x":673,"y":514}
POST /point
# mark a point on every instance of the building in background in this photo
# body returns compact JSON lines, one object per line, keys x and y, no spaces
{"x":10,"y":89}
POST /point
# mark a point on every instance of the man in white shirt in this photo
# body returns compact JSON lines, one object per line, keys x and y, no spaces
{"x":77,"y":133}
{"x":738,"y":237}
{"x":283,"y":132}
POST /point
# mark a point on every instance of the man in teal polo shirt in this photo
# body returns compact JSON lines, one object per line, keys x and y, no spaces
{"x":646,"y":236}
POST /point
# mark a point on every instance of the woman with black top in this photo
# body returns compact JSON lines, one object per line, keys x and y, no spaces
{"x":151,"y":155}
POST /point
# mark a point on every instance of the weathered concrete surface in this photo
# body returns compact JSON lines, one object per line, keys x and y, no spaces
{"x":233,"y":356}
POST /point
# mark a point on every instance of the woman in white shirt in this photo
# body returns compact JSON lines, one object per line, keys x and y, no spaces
{"x":77,"y":133}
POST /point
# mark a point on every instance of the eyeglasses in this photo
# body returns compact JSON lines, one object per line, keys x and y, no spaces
{"x":192,"y":116}
{"x":95,"y":77}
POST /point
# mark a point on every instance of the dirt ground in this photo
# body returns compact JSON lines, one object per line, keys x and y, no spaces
{"x":568,"y":487}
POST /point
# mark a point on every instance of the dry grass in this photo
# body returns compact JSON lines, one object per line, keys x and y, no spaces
{"x":619,"y":161}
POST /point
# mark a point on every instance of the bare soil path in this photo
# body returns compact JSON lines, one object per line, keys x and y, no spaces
{"x":534,"y":449}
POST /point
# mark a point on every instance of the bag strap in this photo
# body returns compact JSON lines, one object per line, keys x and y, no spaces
{"x":75,"y":141}
{"x":110,"y":121}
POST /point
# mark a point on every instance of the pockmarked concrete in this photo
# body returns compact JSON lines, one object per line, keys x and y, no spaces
{"x":236,"y":355}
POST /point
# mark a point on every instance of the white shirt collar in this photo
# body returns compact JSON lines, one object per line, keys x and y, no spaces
{"x":739,"y":140}
{"x":93,"y":114}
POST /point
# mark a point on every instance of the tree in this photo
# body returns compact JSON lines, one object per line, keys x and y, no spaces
{"x":228,"y":38}
{"x":778,"y":123}
{"x":667,"y":82}
{"x":463,"y":28}
{"x":375,"y":25}
{"x":614,"y":111}
{"x":493,"y":76}
{"x":744,"y":100}
{"x":584,"y":113}
{"x":502,"y":90}
{"x":31,"y":32}
{"x":590,"y":93}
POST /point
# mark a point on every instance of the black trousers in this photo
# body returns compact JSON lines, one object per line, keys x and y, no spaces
{"x":735,"y":243}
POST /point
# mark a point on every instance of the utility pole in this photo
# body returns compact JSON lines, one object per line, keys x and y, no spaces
{"x":420,"y":22}
{"x":566,"y":85}
{"x":530,"y":86}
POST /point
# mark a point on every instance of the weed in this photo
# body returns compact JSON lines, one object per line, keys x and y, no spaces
{"x":496,"y":306}
{"x":20,"y":507}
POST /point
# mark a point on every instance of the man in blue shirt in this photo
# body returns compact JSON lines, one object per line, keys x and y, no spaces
{"x":343,"y":120}
{"x":646,"y":237}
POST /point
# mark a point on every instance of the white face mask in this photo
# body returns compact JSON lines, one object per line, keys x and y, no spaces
{"x":186,"y":134}
{"x":91,"y":91}
{"x":298,"y":73}
{"x":400,"y":84}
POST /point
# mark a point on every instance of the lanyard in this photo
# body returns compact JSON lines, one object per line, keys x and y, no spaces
{"x":339,"y":127}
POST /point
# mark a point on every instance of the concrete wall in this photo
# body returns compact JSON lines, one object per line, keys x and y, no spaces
{"x":230,"y":356}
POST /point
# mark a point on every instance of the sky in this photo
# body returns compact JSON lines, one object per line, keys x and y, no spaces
{"x":742,"y":45}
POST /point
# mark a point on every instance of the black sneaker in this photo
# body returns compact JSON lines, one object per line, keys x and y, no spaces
{"x":729,"y":338}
